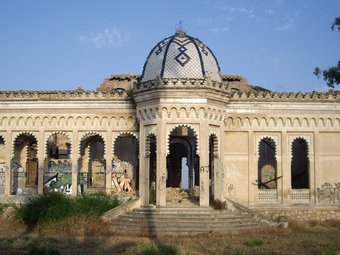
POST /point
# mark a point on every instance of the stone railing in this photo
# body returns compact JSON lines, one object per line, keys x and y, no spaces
{"x":300,"y":196}
{"x":267,"y":195}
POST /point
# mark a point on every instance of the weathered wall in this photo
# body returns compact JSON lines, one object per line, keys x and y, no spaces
{"x":235,"y":161}
{"x":302,"y":214}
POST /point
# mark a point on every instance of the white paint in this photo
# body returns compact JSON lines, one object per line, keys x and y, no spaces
{"x":232,"y":171}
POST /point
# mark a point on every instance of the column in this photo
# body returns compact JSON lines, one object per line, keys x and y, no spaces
{"x":8,"y":156}
{"x":286,"y":170}
{"x":143,"y":168}
{"x":204,"y":163}
{"x":314,"y":167}
{"x":74,"y":157}
{"x":161,"y":163}
{"x":108,"y":162}
{"x":41,"y":158}
{"x":253,"y":190}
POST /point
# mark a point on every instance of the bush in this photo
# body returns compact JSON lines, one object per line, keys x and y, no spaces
{"x":56,"y":206}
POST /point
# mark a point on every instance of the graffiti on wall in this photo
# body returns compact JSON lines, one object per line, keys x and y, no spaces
{"x":58,"y":177}
{"x":2,"y":174}
{"x":122,"y":176}
{"x":329,"y":193}
{"x":19,"y":178}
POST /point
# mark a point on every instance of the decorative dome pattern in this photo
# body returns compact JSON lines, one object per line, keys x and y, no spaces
{"x":181,"y":56}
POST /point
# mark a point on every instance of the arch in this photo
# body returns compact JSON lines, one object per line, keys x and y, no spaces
{"x":195,"y":134}
{"x":267,"y":163}
{"x":92,"y":162}
{"x":57,"y":133}
{"x":300,"y":163}
{"x":126,"y":159}
{"x":182,"y":162}
{"x":25,"y":163}
{"x":92,"y":134}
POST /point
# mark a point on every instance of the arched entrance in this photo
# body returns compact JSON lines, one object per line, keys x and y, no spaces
{"x":92,"y":164}
{"x":58,"y":174}
{"x":182,"y":167}
{"x":25,"y":165}
{"x":125,"y":163}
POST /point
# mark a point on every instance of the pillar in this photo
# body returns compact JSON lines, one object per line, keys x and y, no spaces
{"x":204,"y":163}
{"x":8,"y":157}
{"x":286,"y":170}
{"x":314,"y":167}
{"x":108,"y":162}
{"x":161,"y":163}
{"x":253,"y":190}
{"x":41,"y":158}
{"x":74,"y":157}
{"x":144,"y":168}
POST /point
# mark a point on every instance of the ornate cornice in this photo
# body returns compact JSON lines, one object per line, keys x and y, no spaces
{"x":206,"y":83}
{"x":264,"y":96}
{"x":63,"y":95}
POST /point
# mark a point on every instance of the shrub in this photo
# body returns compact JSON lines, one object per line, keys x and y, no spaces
{"x":56,"y":206}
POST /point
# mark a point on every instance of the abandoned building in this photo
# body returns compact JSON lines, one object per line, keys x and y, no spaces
{"x":179,"y":133}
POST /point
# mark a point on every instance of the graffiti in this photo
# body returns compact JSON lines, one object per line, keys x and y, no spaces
{"x":121,"y":176}
{"x":233,"y":172}
{"x":58,"y":166}
{"x":204,"y":169}
{"x":202,"y":191}
{"x":19,"y":178}
{"x":162,"y":180}
{"x":58,"y":177}
{"x":230,"y":188}
{"x":2,"y":174}
{"x":59,"y":183}
{"x":328,"y":192}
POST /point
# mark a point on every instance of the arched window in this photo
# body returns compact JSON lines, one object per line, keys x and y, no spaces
{"x":267,"y":165}
{"x":300,"y":164}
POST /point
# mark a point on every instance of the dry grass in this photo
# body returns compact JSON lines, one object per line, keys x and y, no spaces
{"x":89,"y":235}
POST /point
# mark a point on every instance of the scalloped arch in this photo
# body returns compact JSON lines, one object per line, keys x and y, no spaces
{"x":306,"y":139}
{"x":274,"y":139}
{"x":88,"y":135}
{"x":182,"y":125}
{"x":216,"y":146}
{"x":27,"y":133}
{"x":135,"y":135}
{"x":57,"y":132}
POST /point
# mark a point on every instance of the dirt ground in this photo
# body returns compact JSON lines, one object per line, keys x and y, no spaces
{"x":91,"y":236}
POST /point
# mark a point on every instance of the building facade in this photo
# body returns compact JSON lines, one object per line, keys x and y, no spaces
{"x":181,"y":124}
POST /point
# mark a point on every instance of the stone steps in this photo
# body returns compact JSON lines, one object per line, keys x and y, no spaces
{"x":182,"y":221}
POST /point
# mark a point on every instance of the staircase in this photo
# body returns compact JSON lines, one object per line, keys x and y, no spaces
{"x":151,"y":221}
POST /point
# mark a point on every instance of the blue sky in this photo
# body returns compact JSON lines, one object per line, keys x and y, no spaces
{"x":65,"y":44}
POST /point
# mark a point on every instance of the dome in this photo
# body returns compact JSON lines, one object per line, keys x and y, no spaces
{"x":181,"y":56}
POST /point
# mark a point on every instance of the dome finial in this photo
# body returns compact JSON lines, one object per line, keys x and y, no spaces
{"x":179,"y":30}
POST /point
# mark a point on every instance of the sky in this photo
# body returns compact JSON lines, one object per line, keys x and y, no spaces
{"x":66,"y":44}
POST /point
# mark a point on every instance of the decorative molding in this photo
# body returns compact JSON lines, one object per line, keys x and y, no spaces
{"x":248,"y":121}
